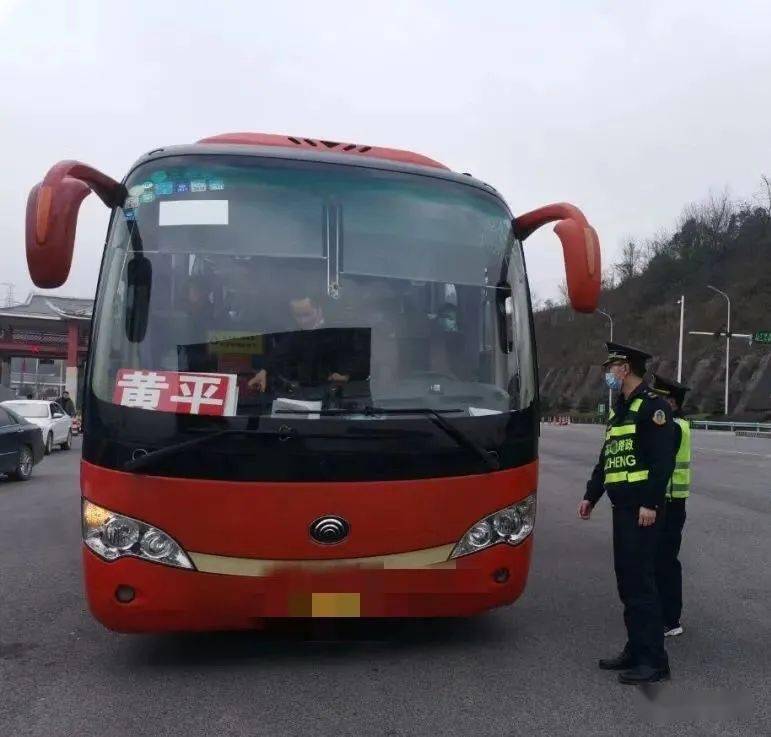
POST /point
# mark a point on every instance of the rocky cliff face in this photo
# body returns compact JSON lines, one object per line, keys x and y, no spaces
{"x":581,"y":388}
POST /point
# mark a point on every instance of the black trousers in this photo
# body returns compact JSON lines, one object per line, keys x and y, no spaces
{"x":634,"y":557}
{"x":669,"y":575}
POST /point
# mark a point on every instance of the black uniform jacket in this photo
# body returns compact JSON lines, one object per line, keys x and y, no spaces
{"x":655,"y":443}
{"x":310,"y":356}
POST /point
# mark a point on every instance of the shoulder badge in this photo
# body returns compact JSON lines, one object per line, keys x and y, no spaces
{"x":660,"y":417}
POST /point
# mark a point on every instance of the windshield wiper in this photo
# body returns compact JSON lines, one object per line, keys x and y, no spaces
{"x":148,"y":459}
{"x":461,"y":438}
{"x":490,"y":459}
{"x":169,"y":450}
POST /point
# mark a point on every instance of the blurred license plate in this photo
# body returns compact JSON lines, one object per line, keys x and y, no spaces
{"x":335,"y":605}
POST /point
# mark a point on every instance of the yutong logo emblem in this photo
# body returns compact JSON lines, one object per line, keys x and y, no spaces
{"x":329,"y":530}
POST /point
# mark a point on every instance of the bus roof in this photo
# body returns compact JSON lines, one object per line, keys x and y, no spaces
{"x":351,"y":149}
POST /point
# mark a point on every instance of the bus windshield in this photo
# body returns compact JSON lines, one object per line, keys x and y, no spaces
{"x":240,"y":285}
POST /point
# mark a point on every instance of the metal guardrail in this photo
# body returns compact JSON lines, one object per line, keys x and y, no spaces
{"x":749,"y":429}
{"x":755,"y":427}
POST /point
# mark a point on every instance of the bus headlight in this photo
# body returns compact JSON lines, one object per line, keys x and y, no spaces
{"x":120,"y":533}
{"x":511,"y":525}
{"x":111,"y":535}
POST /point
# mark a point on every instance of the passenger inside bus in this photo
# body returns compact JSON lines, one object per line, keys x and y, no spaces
{"x":446,"y":343}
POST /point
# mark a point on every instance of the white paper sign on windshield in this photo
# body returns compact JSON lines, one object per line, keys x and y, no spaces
{"x":192,"y":212}
{"x":482,"y":411}
{"x":289,"y":407}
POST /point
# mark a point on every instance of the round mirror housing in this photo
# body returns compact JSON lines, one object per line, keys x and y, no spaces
{"x":52,"y":216}
{"x":580,"y":246}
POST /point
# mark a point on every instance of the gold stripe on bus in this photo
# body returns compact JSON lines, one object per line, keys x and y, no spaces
{"x":433,"y":558}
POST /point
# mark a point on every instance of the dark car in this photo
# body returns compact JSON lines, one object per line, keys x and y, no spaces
{"x":21,"y":445}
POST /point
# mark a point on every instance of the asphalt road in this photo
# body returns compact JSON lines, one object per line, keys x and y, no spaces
{"x":528,"y":669}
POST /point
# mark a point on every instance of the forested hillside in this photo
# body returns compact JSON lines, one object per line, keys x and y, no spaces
{"x":718,"y":241}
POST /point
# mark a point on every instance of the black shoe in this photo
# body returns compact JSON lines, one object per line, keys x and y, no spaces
{"x":643,"y":674}
{"x":622,"y":661}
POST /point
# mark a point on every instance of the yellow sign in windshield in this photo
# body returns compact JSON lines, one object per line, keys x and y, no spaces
{"x":234,"y":341}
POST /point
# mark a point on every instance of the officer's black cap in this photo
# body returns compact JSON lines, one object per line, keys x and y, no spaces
{"x":618,"y":352}
{"x":670,"y":388}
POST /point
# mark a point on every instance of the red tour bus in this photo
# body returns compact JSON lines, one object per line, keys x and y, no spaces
{"x":311,"y":389}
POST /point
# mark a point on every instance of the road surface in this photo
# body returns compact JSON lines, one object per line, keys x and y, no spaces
{"x":529,"y":669}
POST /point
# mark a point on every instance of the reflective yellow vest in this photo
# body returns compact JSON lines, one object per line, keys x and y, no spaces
{"x":621,"y":458}
{"x":680,"y":483}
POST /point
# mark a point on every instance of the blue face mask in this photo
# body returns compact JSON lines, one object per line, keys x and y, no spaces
{"x":448,"y":324}
{"x":613,"y":381}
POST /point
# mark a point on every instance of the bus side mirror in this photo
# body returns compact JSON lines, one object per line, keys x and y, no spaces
{"x":139,"y":277}
{"x":580,"y":246}
{"x":52,"y":216}
{"x":503,"y":310}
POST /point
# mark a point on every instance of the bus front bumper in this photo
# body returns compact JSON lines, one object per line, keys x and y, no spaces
{"x":160,"y":598}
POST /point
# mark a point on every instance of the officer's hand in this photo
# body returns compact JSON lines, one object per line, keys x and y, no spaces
{"x":585,"y":509}
{"x":259,"y":381}
{"x":647,"y":517}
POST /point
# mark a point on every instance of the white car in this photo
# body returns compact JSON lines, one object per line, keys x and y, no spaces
{"x":54,"y":422}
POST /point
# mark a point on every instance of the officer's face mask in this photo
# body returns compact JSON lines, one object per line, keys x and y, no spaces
{"x":613,"y":381}
{"x":613,"y":378}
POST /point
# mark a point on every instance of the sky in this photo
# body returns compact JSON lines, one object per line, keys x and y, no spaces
{"x":628,"y":110}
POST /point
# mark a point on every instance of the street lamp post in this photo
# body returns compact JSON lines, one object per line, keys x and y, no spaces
{"x":727,"y":341}
{"x":610,"y":319}
{"x":680,"y":344}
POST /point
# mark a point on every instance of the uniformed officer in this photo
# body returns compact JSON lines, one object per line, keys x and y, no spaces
{"x":636,"y":463}
{"x":669,"y":577}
